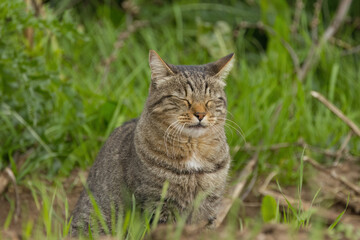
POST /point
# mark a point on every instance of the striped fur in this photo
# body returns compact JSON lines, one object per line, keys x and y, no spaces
{"x":178,"y":138}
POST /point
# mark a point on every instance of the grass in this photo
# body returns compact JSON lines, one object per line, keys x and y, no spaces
{"x":58,"y":102}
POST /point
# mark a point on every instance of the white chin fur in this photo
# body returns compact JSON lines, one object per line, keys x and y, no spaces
{"x":194,"y":132}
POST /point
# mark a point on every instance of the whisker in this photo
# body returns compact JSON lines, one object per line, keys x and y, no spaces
{"x":231,"y":130}
{"x":167,"y":132}
{"x":237,"y":125}
{"x":237,"y":128}
{"x":218,"y":130}
{"x":182,"y":128}
{"x":180,"y":131}
{"x":178,"y":128}
{"x":173,"y":137}
{"x":232,"y":115}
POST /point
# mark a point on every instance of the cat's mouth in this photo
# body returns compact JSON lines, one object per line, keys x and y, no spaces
{"x":198,"y":125}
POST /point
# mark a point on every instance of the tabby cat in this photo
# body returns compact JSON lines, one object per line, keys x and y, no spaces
{"x":179,"y":138}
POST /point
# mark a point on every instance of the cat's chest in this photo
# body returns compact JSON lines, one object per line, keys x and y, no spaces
{"x":194,"y":162}
{"x":200,"y":156}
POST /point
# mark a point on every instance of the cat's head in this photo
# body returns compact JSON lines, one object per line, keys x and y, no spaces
{"x":188,"y":99}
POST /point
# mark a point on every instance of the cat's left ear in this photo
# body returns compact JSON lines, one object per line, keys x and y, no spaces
{"x":222,"y":67}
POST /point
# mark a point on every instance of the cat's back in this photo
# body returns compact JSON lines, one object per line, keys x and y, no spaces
{"x":117,"y":150}
{"x":109,"y":163}
{"x":106,"y":176}
{"x":122,"y":137}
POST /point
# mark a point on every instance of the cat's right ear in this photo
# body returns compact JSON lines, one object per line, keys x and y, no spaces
{"x":159,"y":68}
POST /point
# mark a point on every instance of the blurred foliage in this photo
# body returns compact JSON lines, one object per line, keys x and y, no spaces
{"x":68,"y":78}
{"x":37,"y":103}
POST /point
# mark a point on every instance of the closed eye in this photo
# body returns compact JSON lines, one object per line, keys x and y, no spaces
{"x":208,"y":103}
{"x":187,"y":102}
{"x":184,"y":100}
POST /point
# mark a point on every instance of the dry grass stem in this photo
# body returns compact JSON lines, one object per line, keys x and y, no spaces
{"x":299,"y":5}
{"x":122,"y":37}
{"x":250,"y":186}
{"x":350,"y":51}
{"x":342,"y":148}
{"x":341,"y":195}
{"x":267,"y":181}
{"x":330,"y":215}
{"x":340,"y":43}
{"x":4,"y":181}
{"x":266,"y":28}
{"x":275,"y":147}
{"x":333,"y":174}
{"x":280,"y":197}
{"x":332,"y":154}
{"x":312,"y":56}
{"x":315,"y":20}
{"x":249,"y":148}
{"x":235,"y":192}
{"x":19,"y":160}
{"x":324,"y":213}
{"x":336,"y":111}
{"x":12,"y":178}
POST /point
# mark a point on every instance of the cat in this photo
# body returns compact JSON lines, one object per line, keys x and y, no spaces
{"x":179,"y":138}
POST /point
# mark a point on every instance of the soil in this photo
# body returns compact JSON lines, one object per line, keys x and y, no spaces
{"x":333,"y":199}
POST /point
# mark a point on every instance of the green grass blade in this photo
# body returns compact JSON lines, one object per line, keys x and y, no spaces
{"x":10,"y":215}
{"x":301,"y":176}
{"x":7,"y":109}
{"x":98,"y":215}
{"x":333,"y":225}
{"x":159,"y":207}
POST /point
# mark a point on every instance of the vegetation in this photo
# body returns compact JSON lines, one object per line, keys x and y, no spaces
{"x":71,"y":72}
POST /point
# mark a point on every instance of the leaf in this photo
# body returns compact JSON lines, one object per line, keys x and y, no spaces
{"x":268,"y":208}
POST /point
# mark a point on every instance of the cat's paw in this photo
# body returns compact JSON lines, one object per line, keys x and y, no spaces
{"x":211,"y":224}
{"x":163,"y":219}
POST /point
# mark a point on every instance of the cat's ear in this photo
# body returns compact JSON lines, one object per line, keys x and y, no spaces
{"x":222,"y":67}
{"x":159,"y":68}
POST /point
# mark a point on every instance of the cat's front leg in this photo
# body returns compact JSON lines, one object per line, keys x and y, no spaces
{"x":165,"y":216}
{"x":209,"y":209}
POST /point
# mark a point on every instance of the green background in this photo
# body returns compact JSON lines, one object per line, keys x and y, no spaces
{"x":85,"y":71}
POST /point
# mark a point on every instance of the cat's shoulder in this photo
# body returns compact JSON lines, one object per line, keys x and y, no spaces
{"x":130,"y":123}
{"x":120,"y":137}
{"x":125,"y":129}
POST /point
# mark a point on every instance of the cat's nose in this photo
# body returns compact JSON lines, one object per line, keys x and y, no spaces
{"x":200,"y":115}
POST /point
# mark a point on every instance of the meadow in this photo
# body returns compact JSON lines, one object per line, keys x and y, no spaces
{"x":72,"y":71}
